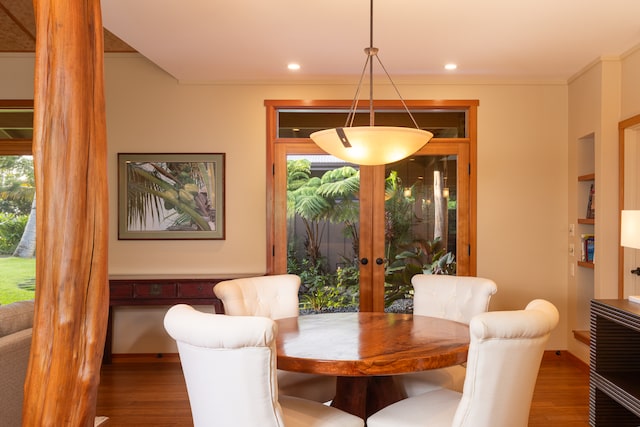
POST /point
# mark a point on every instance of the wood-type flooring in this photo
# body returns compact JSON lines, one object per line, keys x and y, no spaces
{"x":149,"y":391}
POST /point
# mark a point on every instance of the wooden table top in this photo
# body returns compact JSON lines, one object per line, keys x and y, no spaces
{"x":369,"y":344}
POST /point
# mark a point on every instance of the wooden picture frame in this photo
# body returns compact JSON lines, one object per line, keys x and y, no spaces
{"x":169,"y":196}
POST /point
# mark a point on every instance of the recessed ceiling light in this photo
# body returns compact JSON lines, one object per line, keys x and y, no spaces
{"x":450,"y":66}
{"x":293,"y":66}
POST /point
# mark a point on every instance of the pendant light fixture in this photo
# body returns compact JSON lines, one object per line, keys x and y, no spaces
{"x":371,"y":145}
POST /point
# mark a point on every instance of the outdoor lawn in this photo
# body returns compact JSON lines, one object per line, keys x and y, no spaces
{"x":17,"y":279}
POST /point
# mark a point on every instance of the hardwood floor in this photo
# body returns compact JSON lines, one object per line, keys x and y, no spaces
{"x":561,"y":397}
{"x":144,"y":392}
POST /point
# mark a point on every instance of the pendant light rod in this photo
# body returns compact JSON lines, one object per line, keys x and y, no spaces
{"x":371,"y":145}
{"x":371,"y":52}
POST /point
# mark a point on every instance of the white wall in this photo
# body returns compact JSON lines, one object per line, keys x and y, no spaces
{"x":630,"y":105}
{"x":522,"y":185}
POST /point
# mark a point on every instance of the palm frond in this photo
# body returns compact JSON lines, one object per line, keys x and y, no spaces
{"x":348,"y":187}
{"x":18,"y":191}
{"x":298,"y":173}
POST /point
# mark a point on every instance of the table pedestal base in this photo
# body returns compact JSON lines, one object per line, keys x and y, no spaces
{"x":363,"y":396}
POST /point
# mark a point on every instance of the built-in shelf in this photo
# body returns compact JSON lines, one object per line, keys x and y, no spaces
{"x":585,"y":289}
{"x":586,"y":264}
{"x":582,"y":336}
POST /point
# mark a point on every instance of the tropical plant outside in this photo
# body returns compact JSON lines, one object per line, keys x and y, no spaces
{"x":11,"y":230}
{"x":17,"y":206}
{"x":16,"y":184}
{"x":332,"y":199}
{"x":318,"y":201}
{"x":406,"y":255}
{"x":17,"y":229}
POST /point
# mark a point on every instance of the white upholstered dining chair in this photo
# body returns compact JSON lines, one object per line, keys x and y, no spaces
{"x":229,"y":365}
{"x":456,"y":298}
{"x":275,"y":297}
{"x":504,"y":359}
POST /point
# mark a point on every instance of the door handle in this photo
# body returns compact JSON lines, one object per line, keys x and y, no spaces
{"x":364,"y":261}
{"x":636,"y":271}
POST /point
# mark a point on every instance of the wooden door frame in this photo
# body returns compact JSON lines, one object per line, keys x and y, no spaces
{"x":278,"y":148}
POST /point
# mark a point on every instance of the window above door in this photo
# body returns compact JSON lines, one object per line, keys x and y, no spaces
{"x":300,"y":123}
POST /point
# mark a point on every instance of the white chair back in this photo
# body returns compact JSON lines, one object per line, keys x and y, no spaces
{"x":457,"y":298}
{"x":229,"y":366}
{"x":504,"y":359}
{"x":275,"y":296}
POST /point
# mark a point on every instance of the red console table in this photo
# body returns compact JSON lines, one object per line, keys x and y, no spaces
{"x":139,"y":290}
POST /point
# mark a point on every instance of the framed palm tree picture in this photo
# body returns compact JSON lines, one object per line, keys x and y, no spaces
{"x":168,"y":196}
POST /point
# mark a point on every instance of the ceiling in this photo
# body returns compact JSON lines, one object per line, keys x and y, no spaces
{"x":213,"y":41}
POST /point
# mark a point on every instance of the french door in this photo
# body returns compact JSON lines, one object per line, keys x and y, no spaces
{"x":414,"y":216}
{"x":411,"y":216}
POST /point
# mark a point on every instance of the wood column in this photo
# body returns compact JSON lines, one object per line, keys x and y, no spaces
{"x":72,"y":215}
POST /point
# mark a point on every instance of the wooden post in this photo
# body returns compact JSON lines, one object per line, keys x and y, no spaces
{"x":72,"y":215}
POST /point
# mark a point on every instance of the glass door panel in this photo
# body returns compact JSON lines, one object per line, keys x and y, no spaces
{"x":421,"y":196}
{"x":323,"y":231}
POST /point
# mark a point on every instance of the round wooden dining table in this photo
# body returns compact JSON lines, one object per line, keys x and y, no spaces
{"x":365,"y":350}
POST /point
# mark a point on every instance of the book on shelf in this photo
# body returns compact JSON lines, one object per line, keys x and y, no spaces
{"x":591,"y":204}
{"x":587,"y":246}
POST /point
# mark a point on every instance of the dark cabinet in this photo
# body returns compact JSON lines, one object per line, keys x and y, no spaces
{"x":614,"y":377}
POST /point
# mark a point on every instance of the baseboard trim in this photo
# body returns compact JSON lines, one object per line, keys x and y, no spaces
{"x":145,"y":358}
{"x":575,"y":360}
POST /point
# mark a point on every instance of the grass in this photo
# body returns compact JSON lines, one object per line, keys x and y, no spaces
{"x":17,"y":279}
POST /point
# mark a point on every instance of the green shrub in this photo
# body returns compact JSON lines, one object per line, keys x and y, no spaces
{"x":11,"y":229}
{"x":320,"y":290}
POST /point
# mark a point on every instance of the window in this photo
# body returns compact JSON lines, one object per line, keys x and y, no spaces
{"x":17,"y":210}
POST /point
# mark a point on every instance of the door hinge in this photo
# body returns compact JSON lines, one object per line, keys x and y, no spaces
{"x":273,"y":250}
{"x":273,"y":169}
{"x":469,"y":169}
{"x":469,"y":250}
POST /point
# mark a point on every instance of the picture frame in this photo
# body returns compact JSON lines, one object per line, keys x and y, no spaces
{"x":171,"y":196}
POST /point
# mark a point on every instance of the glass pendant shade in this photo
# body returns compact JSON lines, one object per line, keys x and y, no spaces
{"x":371,"y":145}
